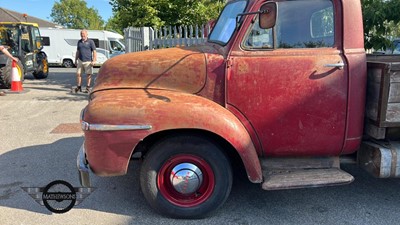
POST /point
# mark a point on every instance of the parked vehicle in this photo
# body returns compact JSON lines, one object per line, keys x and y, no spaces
{"x":60,"y":45}
{"x":394,"y":49}
{"x":24,"y":42}
{"x":278,"y":90}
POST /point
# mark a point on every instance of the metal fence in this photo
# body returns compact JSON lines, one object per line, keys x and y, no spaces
{"x":147,"y":38}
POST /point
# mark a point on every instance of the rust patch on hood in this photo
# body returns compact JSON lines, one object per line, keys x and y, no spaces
{"x":180,"y":69}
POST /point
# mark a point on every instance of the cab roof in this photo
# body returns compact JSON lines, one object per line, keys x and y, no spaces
{"x":19,"y":23}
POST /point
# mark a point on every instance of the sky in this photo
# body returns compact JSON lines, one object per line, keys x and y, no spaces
{"x":42,"y":8}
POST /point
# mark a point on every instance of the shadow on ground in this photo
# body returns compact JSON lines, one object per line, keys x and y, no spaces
{"x":37,"y":166}
{"x":368,"y":200}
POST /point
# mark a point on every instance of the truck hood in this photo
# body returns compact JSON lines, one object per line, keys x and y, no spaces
{"x":178,"y":69}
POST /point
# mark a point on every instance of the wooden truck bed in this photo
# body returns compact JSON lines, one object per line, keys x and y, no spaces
{"x":383,"y":95}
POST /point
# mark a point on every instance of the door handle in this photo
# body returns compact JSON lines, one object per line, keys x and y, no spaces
{"x":338,"y":65}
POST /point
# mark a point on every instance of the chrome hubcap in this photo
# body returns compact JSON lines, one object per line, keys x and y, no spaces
{"x":186,"y":178}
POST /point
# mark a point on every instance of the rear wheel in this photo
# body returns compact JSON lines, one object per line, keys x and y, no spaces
{"x":67,"y":63}
{"x":186,"y":177}
{"x":5,"y":78}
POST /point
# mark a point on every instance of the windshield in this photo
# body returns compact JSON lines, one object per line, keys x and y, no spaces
{"x":9,"y":37}
{"x":116,"y":45}
{"x":226,"y":23}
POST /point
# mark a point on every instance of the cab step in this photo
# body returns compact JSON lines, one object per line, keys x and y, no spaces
{"x":294,"y":173}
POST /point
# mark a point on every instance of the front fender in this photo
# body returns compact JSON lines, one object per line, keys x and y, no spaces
{"x":162,"y":110}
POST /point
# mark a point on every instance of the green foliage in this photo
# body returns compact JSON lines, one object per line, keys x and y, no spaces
{"x":156,"y":13}
{"x":114,"y":24}
{"x":381,"y":22}
{"x":75,"y":14}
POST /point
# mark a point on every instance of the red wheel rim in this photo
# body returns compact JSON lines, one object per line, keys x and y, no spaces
{"x":167,"y":189}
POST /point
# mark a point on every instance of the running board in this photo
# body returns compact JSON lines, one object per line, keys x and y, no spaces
{"x":303,"y":173}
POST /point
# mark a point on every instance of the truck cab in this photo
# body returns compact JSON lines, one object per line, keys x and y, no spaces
{"x":278,"y":90}
{"x":298,"y":87}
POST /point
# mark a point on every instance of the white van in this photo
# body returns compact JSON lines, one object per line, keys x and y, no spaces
{"x":60,"y":45}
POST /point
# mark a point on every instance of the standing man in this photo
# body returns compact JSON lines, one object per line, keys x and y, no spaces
{"x":7,"y":53}
{"x":85,"y":59}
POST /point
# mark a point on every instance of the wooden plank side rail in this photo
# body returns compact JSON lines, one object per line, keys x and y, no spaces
{"x":383,"y":95}
{"x":383,"y":90}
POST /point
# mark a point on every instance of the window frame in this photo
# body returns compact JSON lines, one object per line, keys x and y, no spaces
{"x":275,"y":45}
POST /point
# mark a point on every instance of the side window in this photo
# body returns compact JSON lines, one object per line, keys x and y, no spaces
{"x":299,"y":24}
{"x":3,"y":36}
{"x":72,"y":42}
{"x":11,"y":39}
{"x":116,"y":46}
{"x":96,"y":42}
{"x":26,"y":33}
{"x":305,"y":24}
{"x":36,"y":38}
{"x":46,"y":41}
{"x":259,"y":38}
{"x":322,"y":24}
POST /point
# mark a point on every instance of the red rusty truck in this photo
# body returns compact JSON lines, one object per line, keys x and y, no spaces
{"x":279,"y":90}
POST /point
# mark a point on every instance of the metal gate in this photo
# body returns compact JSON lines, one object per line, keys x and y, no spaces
{"x":147,"y":38}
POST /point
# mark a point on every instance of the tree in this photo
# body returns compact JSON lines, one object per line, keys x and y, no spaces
{"x":75,"y":14}
{"x":156,"y":13}
{"x":381,"y":22}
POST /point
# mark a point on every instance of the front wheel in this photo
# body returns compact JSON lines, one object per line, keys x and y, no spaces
{"x":42,"y":71}
{"x":186,"y":177}
{"x":67,"y":63}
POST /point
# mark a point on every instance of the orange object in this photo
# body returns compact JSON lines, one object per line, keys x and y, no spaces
{"x":16,"y":84}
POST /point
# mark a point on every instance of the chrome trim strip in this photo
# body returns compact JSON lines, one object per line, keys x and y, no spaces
{"x":82,"y":114}
{"x":106,"y":127}
{"x":83,"y":167}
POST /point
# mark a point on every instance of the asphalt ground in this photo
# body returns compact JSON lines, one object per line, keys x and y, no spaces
{"x":40,"y":139}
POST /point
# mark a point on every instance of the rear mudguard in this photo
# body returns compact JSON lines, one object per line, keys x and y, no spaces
{"x":148,"y":112}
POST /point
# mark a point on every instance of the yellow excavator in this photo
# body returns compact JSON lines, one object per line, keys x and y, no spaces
{"x":23,"y":41}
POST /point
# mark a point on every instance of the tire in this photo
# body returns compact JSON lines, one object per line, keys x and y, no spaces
{"x":43,"y":67}
{"x":5,"y":78}
{"x":184,"y":156}
{"x":67,"y":63}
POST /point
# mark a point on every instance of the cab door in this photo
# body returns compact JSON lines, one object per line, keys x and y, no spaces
{"x":290,"y":81}
{"x":36,"y":42}
{"x":27,"y":49}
